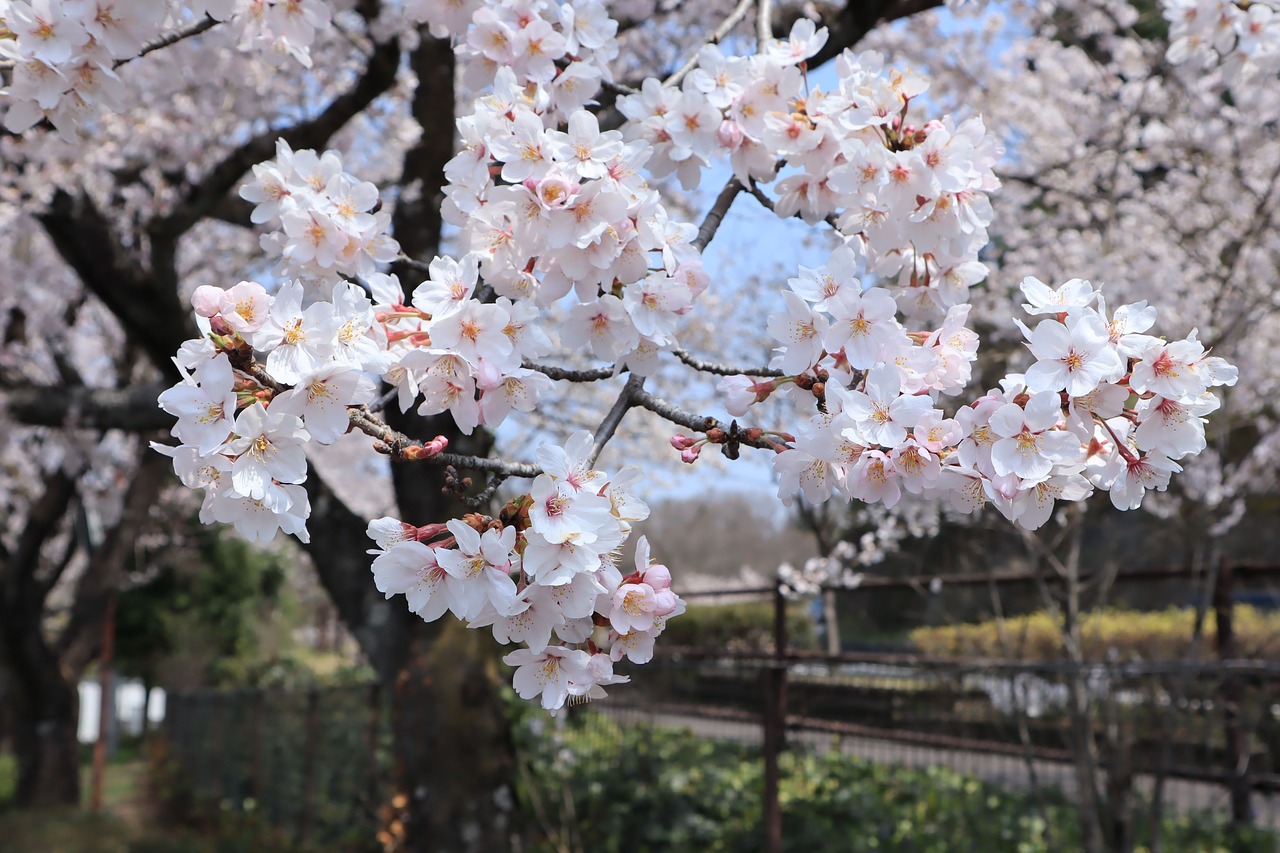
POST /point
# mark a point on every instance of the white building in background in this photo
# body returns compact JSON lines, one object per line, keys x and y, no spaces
{"x":132,"y":707}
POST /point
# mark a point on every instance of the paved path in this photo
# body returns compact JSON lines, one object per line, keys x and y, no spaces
{"x":1005,"y":770}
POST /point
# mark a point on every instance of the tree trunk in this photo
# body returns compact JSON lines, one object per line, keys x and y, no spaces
{"x":46,"y":709}
{"x":455,"y":757}
{"x":452,"y":749}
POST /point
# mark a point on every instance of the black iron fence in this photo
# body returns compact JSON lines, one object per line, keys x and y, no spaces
{"x":313,"y":764}
{"x":1138,"y":749}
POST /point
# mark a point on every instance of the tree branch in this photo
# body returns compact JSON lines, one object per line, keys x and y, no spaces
{"x":711,"y":222}
{"x":626,"y":399}
{"x":698,"y":423}
{"x":723,"y":369}
{"x":82,"y":635}
{"x":172,"y":37}
{"x":570,"y":375}
{"x":850,"y":22}
{"x":764,"y":24}
{"x":201,"y":199}
{"x":41,"y":522}
{"x":735,"y":17}
{"x":152,"y":316}
{"x":133,"y":409}
{"x":399,"y":448}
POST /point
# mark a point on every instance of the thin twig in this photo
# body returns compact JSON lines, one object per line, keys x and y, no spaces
{"x":381,"y":403}
{"x":484,"y":496}
{"x":487,"y":464}
{"x":619,"y":88}
{"x":172,"y":37}
{"x":397,"y":443}
{"x":831,"y":219}
{"x":412,"y":263}
{"x":609,"y":425}
{"x":723,"y":369}
{"x":570,"y":375}
{"x":735,"y":17}
{"x":697,"y":423}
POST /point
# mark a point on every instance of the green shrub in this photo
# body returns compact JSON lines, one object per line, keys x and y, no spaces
{"x":741,"y":627}
{"x":1162,"y":635}
{"x":592,"y":784}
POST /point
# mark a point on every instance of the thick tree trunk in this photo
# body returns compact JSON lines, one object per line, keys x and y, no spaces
{"x":454,"y":752}
{"x":45,"y":744}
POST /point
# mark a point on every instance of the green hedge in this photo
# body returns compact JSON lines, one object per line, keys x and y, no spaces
{"x":742,"y":627}
{"x":596,"y":785}
{"x":1159,"y":635}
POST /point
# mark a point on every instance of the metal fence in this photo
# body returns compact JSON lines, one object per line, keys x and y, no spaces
{"x":1128,"y":743}
{"x":314,"y":764}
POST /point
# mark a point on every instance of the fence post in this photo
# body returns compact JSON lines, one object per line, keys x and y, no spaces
{"x":1232,"y":693}
{"x":309,"y":765}
{"x":259,"y":721}
{"x":775,"y":722}
{"x":371,"y":746}
{"x":106,"y":702}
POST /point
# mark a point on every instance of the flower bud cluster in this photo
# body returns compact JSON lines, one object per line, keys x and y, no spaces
{"x":913,"y":199}
{"x":327,"y":224}
{"x":1104,"y":405}
{"x":64,"y":56}
{"x":546,"y":581}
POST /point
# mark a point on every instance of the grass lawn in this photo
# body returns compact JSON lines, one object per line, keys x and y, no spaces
{"x":125,"y":824}
{"x":77,"y":830}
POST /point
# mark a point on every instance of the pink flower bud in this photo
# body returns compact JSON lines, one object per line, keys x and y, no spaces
{"x":657,"y":576}
{"x":730,"y":134}
{"x":206,"y":300}
{"x":665,"y":602}
{"x":682,"y":442}
{"x":689,"y":454}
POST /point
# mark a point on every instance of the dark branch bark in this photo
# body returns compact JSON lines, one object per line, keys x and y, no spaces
{"x":152,"y":317}
{"x":80,"y":639}
{"x":854,"y":20}
{"x":337,"y":549}
{"x":41,"y":702}
{"x":200,"y":200}
{"x":133,"y":409}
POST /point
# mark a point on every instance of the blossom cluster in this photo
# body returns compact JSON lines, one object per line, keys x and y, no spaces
{"x":1104,"y":405}
{"x":1244,"y":36}
{"x":64,"y":53}
{"x":276,"y":29}
{"x":542,"y":576}
{"x":243,"y":435}
{"x":556,"y":221}
{"x":913,"y":196}
{"x":64,"y":56}
{"x":572,"y":211}
{"x":326,"y":223}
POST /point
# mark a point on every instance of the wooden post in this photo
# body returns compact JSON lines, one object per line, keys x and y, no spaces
{"x":106,"y":705}
{"x":371,"y":746}
{"x":775,"y":723}
{"x":258,"y":724}
{"x":1232,"y":693}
